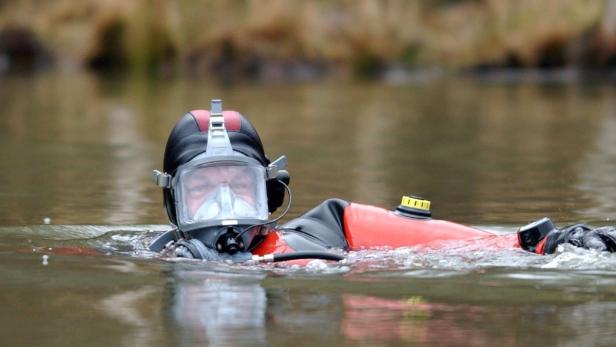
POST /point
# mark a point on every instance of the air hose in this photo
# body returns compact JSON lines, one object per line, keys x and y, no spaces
{"x":275,"y":257}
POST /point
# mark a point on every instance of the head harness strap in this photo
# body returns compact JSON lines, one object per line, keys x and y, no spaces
{"x":218,"y":142}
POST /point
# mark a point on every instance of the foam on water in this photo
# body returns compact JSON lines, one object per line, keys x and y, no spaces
{"x":415,"y":261}
{"x":570,"y":257}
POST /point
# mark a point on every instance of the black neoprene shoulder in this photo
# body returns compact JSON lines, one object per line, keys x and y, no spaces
{"x":318,"y":229}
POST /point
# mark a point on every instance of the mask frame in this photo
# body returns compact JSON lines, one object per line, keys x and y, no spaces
{"x":217,"y":161}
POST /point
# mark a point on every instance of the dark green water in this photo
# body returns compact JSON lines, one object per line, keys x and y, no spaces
{"x":79,"y":151}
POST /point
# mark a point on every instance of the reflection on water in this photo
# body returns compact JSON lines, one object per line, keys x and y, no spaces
{"x":125,"y":308}
{"x":218,"y":309}
{"x":376,"y":320}
{"x":594,"y":183}
{"x":403,"y":296}
{"x":413,"y":320}
{"x":79,"y":150}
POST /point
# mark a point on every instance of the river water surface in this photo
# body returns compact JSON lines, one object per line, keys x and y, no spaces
{"x":77,"y":210}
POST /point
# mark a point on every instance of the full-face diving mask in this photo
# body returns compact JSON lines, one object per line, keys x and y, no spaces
{"x":220,"y":191}
{"x":220,"y":196}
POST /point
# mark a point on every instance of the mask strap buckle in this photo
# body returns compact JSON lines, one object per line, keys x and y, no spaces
{"x":161,"y":179}
{"x":218,"y":142}
{"x":276,"y":166}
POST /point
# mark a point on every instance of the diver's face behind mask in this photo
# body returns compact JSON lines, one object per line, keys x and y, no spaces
{"x":220,"y":193}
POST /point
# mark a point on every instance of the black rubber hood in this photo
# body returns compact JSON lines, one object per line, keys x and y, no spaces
{"x":187,"y":140}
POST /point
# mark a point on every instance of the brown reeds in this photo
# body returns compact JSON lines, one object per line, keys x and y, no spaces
{"x":277,"y":37}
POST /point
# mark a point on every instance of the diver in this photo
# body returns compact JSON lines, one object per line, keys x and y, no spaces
{"x":219,"y":190}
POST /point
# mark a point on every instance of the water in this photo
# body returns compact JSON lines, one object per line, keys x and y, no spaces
{"x":77,"y":210}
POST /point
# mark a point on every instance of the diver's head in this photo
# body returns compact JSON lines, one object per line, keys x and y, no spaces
{"x":218,"y":185}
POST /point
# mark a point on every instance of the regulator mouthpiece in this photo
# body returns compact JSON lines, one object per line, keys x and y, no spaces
{"x":229,"y":242}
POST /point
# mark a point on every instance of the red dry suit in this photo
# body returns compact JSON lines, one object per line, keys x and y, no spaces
{"x":337,"y":223}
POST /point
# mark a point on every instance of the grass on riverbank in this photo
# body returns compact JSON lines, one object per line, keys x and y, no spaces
{"x":289,"y":38}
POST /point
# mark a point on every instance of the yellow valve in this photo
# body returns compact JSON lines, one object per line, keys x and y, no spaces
{"x":414,"y":202}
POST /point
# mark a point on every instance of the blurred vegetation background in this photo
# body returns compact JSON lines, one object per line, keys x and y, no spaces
{"x":284,"y":39}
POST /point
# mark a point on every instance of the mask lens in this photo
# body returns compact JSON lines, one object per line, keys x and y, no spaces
{"x":216,"y":192}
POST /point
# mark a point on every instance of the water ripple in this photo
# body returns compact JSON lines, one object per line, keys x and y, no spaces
{"x":415,"y":261}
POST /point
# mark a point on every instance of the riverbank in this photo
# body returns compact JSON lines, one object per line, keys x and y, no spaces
{"x":285,"y":40}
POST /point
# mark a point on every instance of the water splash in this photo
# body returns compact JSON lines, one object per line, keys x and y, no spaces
{"x":570,"y":257}
{"x":458,"y":259}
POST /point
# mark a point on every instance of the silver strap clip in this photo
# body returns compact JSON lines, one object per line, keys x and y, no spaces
{"x":277,"y":165}
{"x":161,"y":179}
{"x":218,"y":142}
